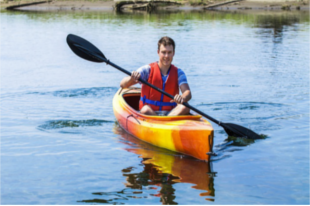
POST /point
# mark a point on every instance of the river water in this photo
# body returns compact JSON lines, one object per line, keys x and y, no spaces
{"x":60,"y":143}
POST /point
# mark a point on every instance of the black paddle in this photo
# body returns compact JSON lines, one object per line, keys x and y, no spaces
{"x":86,"y":50}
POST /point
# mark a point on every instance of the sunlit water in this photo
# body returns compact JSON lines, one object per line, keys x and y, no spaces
{"x":60,"y":143}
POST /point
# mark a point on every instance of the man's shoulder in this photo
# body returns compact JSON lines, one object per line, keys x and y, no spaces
{"x":145,"y":68}
{"x":181,"y":77}
{"x":180,"y":72}
{"x":148,"y":66}
{"x":144,"y":71}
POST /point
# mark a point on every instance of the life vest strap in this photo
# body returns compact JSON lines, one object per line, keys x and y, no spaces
{"x":157,"y":103}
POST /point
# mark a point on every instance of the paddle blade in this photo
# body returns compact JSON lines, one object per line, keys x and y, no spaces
{"x":239,"y":131}
{"x":85,"y":49}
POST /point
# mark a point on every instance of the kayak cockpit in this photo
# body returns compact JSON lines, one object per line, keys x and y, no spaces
{"x":132,"y":100}
{"x":131,"y":97}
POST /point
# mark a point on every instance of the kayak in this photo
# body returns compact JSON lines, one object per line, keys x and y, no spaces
{"x":187,"y":134}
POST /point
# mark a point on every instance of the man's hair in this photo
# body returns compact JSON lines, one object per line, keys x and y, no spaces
{"x":166,"y":41}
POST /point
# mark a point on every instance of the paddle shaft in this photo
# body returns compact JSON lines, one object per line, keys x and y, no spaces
{"x":163,"y":92}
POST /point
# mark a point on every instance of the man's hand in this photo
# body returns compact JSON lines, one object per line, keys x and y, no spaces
{"x":178,"y":99}
{"x":185,"y":97}
{"x":135,"y":76}
{"x":129,"y":81}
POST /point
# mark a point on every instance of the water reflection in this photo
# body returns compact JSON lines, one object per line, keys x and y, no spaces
{"x":175,"y":18}
{"x":275,"y":25}
{"x":154,"y":179}
{"x":163,"y":166}
{"x":162,"y":169}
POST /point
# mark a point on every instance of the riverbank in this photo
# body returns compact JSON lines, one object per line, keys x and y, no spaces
{"x":106,"y":5}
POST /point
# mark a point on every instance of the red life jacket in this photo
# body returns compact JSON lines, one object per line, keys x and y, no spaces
{"x":156,"y":100}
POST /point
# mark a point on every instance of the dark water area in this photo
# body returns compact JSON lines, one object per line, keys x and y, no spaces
{"x":60,"y":143}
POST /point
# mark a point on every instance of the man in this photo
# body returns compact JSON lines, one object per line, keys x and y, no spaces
{"x":165,"y":76}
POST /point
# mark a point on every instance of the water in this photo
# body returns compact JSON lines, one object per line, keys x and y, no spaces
{"x":60,"y":143}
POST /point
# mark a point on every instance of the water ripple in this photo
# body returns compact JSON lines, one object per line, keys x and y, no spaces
{"x":58,"y":124}
{"x":241,"y":105}
{"x":82,"y":92}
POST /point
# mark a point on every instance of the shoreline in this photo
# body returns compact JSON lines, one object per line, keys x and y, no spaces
{"x":110,"y":5}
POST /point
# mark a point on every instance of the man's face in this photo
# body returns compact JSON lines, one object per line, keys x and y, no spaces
{"x":165,"y":54}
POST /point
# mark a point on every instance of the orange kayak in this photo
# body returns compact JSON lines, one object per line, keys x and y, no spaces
{"x":187,"y":134}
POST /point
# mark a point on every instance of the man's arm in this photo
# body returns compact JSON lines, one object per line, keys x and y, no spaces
{"x":142,"y":72}
{"x":129,"y":81}
{"x":186,"y":94}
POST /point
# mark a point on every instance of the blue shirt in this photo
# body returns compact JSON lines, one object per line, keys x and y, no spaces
{"x":146,"y":69}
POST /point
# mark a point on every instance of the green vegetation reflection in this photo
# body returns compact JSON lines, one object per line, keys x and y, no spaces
{"x":175,"y":19}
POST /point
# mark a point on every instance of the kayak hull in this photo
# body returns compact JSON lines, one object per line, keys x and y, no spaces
{"x":186,"y":134}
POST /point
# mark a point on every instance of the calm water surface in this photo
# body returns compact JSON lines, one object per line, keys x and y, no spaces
{"x":60,"y":143}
